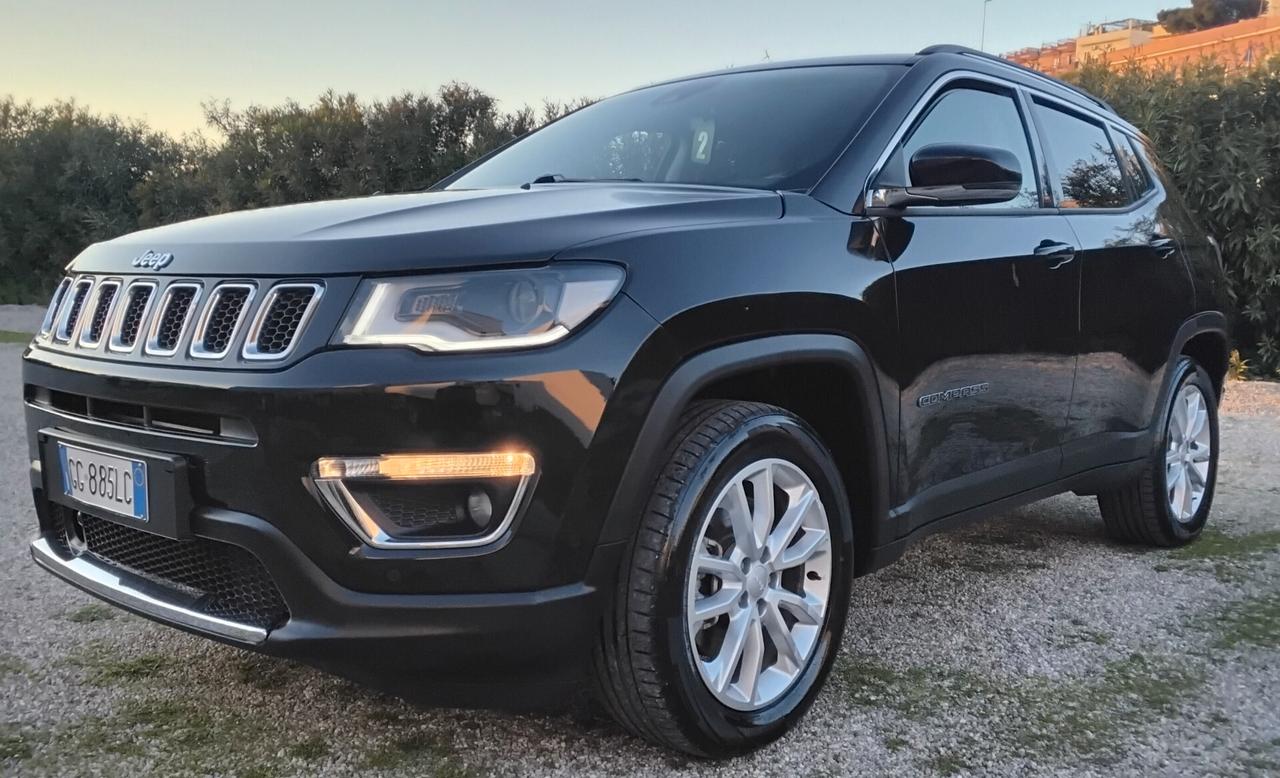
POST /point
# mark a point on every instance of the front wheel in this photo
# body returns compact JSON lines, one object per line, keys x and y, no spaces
{"x":1168,"y":503}
{"x":731,"y":605}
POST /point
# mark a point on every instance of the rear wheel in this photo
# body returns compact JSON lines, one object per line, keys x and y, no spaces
{"x":732,"y":602}
{"x":1168,"y":503}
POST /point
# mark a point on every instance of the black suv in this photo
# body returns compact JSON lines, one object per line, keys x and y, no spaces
{"x":633,"y":400}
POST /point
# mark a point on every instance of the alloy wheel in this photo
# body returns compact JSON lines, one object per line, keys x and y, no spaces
{"x":1190,"y":447}
{"x":758,"y":592}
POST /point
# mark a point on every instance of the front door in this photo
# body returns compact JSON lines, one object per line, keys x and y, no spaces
{"x":988,"y":323}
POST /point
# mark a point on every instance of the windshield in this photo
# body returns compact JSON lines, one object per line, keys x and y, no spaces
{"x":770,"y":129}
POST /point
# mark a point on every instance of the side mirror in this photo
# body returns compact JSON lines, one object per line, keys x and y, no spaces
{"x":955,"y":174}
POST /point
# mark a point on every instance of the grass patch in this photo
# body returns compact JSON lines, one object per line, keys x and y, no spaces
{"x":264,"y":673}
{"x":11,"y":665}
{"x":92,"y":612}
{"x":15,"y":744}
{"x":1227,"y":555}
{"x":1216,"y":545}
{"x":9,"y":336}
{"x":426,"y":752}
{"x":1253,"y":621}
{"x":1036,"y":718}
{"x":896,"y":743}
{"x":310,"y":749}
{"x":104,"y":668}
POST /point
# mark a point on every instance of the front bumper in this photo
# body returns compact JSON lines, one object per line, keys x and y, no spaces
{"x":524,"y":604}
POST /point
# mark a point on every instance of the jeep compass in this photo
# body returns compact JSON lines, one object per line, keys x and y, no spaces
{"x":629,"y":404}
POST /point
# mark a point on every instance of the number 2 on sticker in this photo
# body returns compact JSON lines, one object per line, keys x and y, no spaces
{"x":704,"y":138}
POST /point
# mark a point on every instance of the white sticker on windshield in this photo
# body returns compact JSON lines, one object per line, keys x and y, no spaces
{"x":704,"y":137}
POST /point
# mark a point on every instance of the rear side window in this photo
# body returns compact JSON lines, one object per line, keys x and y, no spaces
{"x":977,"y":117}
{"x":1082,"y":161}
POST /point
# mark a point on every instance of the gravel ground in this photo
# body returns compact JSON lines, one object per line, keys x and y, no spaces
{"x":1025,"y":645}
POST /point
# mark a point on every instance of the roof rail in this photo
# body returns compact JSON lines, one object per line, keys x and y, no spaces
{"x":951,"y":48}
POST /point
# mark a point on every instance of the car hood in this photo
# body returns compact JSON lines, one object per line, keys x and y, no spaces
{"x":422,"y":231}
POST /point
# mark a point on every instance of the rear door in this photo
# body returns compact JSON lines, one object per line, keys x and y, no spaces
{"x":988,"y":315}
{"x":1135,"y":290}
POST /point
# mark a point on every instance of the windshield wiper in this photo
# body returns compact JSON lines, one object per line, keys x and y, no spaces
{"x":557,"y":178}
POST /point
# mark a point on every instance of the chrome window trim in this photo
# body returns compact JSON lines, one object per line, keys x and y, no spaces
{"x":61,"y":333}
{"x":113,"y":343}
{"x":941,"y":84}
{"x":83,"y":341}
{"x":132,"y":591}
{"x":55,"y":305}
{"x":198,"y":350}
{"x":149,"y":348}
{"x":339,"y":499}
{"x":250,"y":350}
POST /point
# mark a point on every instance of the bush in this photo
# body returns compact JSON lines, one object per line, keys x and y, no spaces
{"x":1219,"y":134}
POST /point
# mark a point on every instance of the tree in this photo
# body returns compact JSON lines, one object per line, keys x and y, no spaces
{"x":1204,"y":14}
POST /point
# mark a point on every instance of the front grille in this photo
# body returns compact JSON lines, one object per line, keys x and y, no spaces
{"x":135,"y":311}
{"x":215,"y":321}
{"x":101,"y":310}
{"x":283,"y":313}
{"x":222,"y":580}
{"x":175,"y":310}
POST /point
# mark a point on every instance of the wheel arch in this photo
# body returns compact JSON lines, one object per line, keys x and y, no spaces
{"x":779,"y":370}
{"x":1206,"y":339}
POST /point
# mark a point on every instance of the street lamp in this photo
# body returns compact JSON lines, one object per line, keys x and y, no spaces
{"x":982,"y":39}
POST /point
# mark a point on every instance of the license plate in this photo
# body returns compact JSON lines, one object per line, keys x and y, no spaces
{"x":113,"y":483}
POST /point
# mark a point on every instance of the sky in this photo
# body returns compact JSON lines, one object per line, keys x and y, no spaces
{"x":159,"y":61}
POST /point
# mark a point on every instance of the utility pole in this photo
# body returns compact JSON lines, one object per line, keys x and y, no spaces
{"x":982,"y":38}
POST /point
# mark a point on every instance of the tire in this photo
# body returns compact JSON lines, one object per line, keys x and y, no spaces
{"x":648,"y":665}
{"x":1143,"y":511}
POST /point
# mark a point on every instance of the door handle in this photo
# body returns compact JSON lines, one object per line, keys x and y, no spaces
{"x":1063,"y":252}
{"x":1164,"y":247}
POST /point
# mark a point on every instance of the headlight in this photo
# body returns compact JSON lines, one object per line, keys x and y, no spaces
{"x":488,"y":309}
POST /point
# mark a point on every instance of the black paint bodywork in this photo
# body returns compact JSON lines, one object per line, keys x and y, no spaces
{"x":721,"y":283}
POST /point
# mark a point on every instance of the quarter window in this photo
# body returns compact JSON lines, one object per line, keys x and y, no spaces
{"x":975,"y":117}
{"x":1137,"y":172}
{"x":1082,"y":160}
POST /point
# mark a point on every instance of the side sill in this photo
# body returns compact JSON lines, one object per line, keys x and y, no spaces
{"x":885,"y":555}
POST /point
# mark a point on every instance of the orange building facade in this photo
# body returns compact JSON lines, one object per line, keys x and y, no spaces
{"x":1148,"y":45}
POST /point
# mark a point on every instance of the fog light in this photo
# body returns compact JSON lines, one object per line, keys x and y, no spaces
{"x":479,"y":507}
{"x":426,"y":500}
{"x":495,"y":464}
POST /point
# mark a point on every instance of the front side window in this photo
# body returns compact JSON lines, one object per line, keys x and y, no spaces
{"x":971,"y":117}
{"x":770,"y":129}
{"x":1082,"y":160}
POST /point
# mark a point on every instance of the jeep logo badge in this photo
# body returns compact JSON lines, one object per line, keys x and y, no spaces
{"x":153,"y":260}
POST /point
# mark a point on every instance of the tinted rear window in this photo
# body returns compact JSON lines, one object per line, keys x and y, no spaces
{"x":772,"y":129}
{"x":1082,"y":160}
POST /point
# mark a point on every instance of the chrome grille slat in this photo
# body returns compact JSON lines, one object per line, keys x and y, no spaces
{"x":51,"y":313}
{"x":99,"y":314}
{"x":171,"y":318}
{"x":69,"y":317}
{"x":220,"y":322}
{"x":281,"y":318}
{"x":131,"y":316}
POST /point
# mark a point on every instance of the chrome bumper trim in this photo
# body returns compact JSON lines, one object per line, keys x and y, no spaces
{"x":128,"y":590}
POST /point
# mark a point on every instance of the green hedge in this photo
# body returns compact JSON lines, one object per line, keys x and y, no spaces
{"x":1219,"y":134}
{"x":69,"y":177}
